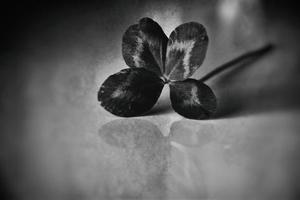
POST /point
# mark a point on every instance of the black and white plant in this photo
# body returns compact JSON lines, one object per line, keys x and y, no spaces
{"x":155,"y":60}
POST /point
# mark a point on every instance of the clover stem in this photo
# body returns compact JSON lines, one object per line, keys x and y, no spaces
{"x":252,"y":54}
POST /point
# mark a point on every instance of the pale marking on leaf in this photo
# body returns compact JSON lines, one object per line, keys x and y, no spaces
{"x":139,"y":48}
{"x":155,"y":44}
{"x":121,"y":93}
{"x":117,"y":93}
{"x":187,"y":47}
{"x":152,"y":41}
{"x":194,"y":100}
{"x":194,"y":95}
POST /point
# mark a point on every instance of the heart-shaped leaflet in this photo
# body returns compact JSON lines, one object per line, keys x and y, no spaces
{"x":193,"y":99}
{"x":130,"y":92}
{"x":155,"y":60}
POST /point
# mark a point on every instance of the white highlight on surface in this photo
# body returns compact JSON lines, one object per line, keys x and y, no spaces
{"x":240,"y":19}
{"x":228,"y":9}
{"x":180,"y":147}
{"x":187,"y":47}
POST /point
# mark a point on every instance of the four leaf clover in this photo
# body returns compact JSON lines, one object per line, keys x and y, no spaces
{"x":156,"y":60}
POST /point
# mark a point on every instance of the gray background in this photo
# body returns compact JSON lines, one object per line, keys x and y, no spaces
{"x":58,"y":143}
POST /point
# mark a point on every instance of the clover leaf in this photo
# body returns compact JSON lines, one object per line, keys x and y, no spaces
{"x":130,"y":92}
{"x":156,"y":60}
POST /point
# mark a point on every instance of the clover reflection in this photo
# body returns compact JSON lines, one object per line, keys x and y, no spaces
{"x":138,"y":154}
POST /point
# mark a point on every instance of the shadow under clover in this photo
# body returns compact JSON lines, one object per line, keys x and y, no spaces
{"x":258,"y":85}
